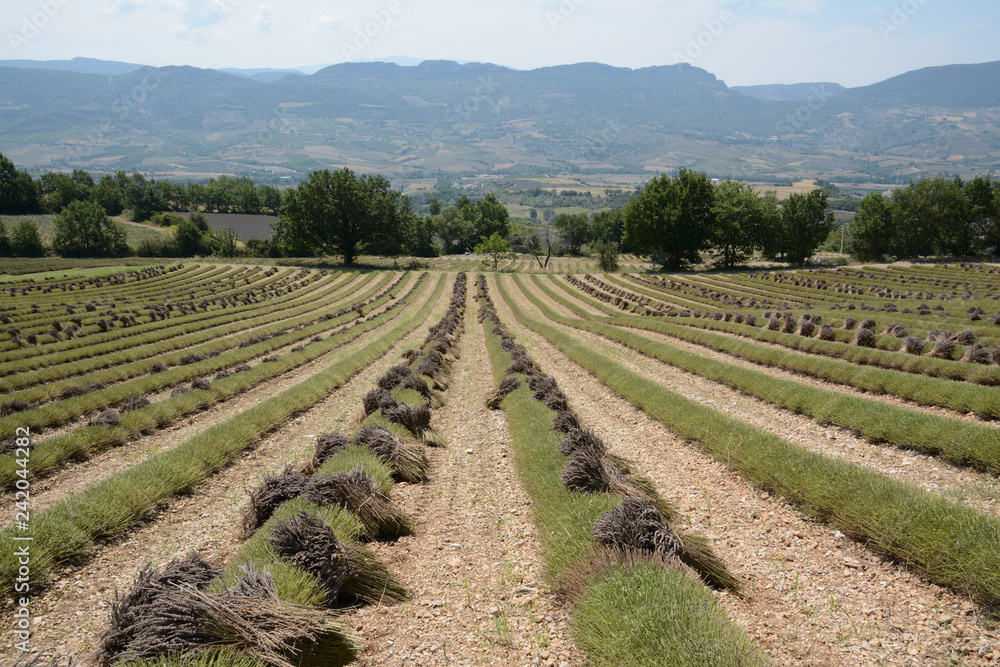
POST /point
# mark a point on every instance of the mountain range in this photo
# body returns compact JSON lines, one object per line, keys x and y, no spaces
{"x":439,"y":116}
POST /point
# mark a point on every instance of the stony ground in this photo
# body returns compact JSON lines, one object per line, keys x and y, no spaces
{"x":479,"y":596}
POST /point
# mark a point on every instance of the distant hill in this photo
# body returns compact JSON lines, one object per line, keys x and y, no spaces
{"x":795,"y":92}
{"x":81,"y":65}
{"x":475,"y":118}
{"x":955,"y":86}
{"x":265,"y":75}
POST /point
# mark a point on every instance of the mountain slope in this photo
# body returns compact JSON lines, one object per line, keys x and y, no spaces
{"x":476,"y":117}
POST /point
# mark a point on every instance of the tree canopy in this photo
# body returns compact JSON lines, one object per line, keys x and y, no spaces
{"x":340,"y":213}
{"x":805,"y":224}
{"x":738,"y":222}
{"x":84,"y":230}
{"x":671,"y":219}
{"x":872,"y":229}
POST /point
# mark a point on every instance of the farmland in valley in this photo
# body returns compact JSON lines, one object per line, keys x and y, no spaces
{"x":542,"y":466}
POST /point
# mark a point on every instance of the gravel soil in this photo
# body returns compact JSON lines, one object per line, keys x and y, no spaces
{"x":70,"y":615}
{"x":472,"y":565}
{"x":814,"y":596}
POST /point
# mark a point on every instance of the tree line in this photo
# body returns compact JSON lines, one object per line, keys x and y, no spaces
{"x":676,"y":220}
{"x":936,"y":216}
{"x":20,"y":194}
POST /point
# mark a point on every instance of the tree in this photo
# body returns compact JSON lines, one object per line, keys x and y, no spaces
{"x":84,"y":230}
{"x":434,"y":204}
{"x":25,"y":241}
{"x":739,"y":218}
{"x":607,"y":226}
{"x":194,"y":236}
{"x":983,"y":202}
{"x":142,"y":196}
{"x":5,"y":250}
{"x":109,"y":195}
{"x":671,"y":219}
{"x":772,"y":243}
{"x":18,"y":194}
{"x":496,"y":249}
{"x":922,"y":217}
{"x":533,"y":214}
{"x":491,"y":218}
{"x":456,"y":233}
{"x":58,"y":190}
{"x":959,"y":236}
{"x":873,"y":229}
{"x":607,"y":256}
{"x":574,"y":231}
{"x":805,"y":224}
{"x":224,"y":243}
{"x":338,"y":212}
{"x":421,"y":240}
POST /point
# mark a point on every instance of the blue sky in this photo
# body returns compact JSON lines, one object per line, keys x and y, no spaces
{"x":743,"y":42}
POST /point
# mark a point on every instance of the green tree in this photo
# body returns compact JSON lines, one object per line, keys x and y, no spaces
{"x":533,"y":214}
{"x":225,"y":243}
{"x":18,"y":192}
{"x":772,"y":243}
{"x":574,"y":231}
{"x":25,"y":241}
{"x":919,"y":219}
{"x":270,"y":199}
{"x":194,"y":237}
{"x":607,"y":256}
{"x":805,"y":224}
{"x":491,"y":218}
{"x":5,"y":250}
{"x":457,"y":234}
{"x":83,"y":229}
{"x":421,"y":241}
{"x":143,"y":197}
{"x":109,"y":195}
{"x":58,"y":190}
{"x":496,"y":248}
{"x":671,"y":219}
{"x":959,"y":236}
{"x":434,"y":204}
{"x":608,"y":226}
{"x":983,"y":206}
{"x":338,"y":212}
{"x":739,"y":221}
{"x":873,"y":229}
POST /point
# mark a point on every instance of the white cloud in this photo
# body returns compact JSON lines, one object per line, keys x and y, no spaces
{"x":326,"y":23}
{"x":264,"y":21}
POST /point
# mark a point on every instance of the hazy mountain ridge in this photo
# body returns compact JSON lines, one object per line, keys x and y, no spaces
{"x":481,"y":117}
{"x":793,"y":92}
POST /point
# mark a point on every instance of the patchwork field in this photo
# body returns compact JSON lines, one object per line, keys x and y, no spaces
{"x":223,"y":464}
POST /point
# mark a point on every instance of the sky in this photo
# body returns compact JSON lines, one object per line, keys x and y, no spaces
{"x":743,"y":42}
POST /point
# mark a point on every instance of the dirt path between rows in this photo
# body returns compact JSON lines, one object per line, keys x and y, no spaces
{"x":979,"y":490}
{"x":75,"y":478}
{"x":815,"y":597}
{"x":473,"y":564}
{"x":71,"y":614}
